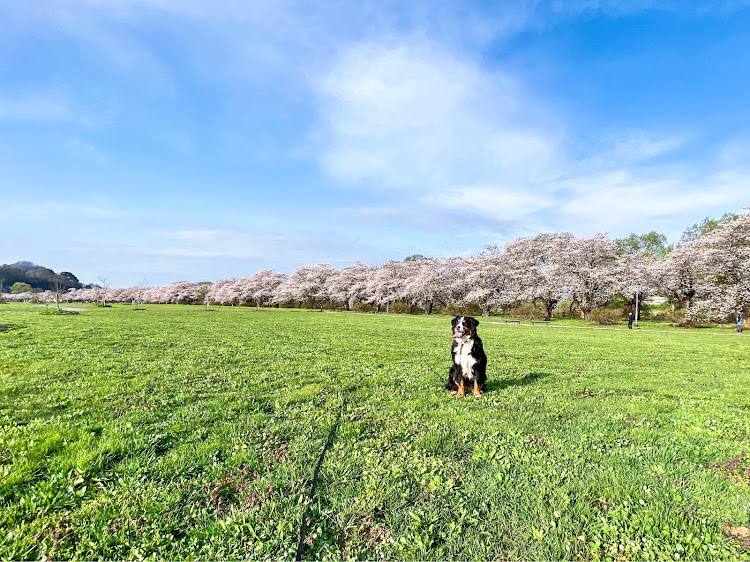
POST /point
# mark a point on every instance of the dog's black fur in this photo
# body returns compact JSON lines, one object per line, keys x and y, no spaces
{"x":469,"y":362}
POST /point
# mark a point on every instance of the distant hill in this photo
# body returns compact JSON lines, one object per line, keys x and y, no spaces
{"x":39,"y":277}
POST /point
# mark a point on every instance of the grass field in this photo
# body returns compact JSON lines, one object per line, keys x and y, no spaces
{"x":176,"y":433}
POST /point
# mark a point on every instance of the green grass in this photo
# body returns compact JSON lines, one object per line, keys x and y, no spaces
{"x":179,"y":433}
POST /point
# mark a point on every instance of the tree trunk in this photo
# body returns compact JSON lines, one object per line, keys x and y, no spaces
{"x":486,"y":308}
{"x":549,"y":306}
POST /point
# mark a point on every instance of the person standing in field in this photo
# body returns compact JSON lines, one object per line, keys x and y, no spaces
{"x":630,"y":320}
{"x":739,"y":324}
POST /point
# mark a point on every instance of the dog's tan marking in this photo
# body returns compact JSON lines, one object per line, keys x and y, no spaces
{"x":461,"y":390}
{"x":477,"y":389}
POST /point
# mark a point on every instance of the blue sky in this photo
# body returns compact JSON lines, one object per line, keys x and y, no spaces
{"x":180,"y":139}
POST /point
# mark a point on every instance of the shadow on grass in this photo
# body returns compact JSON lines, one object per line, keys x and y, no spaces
{"x":502,"y":384}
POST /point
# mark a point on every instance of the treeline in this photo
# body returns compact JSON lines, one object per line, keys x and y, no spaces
{"x":26,"y":277}
{"x":706,"y":276}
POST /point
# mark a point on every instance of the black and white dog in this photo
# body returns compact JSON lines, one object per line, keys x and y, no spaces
{"x":469,"y":361}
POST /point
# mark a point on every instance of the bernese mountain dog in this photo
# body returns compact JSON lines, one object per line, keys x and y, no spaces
{"x":469,"y":361}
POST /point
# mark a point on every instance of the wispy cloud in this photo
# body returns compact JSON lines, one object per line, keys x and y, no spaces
{"x":495,"y":202}
{"x":222,"y":243}
{"x":447,"y":133}
{"x":59,"y":211}
{"x":375,"y":211}
{"x":625,"y":150}
{"x":409,"y":115}
{"x":623,"y":197}
{"x":285,"y":250}
{"x":45,"y":107}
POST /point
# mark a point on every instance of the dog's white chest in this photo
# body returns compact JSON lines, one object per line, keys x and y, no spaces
{"x":462,"y":356}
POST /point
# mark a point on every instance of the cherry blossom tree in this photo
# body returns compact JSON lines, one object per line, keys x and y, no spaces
{"x":484,"y":279}
{"x":307,"y":282}
{"x":387,"y":284}
{"x":261,"y":286}
{"x":429,"y":280}
{"x":589,"y":268}
{"x":452,"y":289}
{"x":223,"y":291}
{"x":638,"y":276}
{"x":180,"y":292}
{"x":679,"y":273}
{"x":708,"y":274}
{"x":536,"y":267}
{"x":350,"y":285}
{"x":153,"y":295}
{"x":724,"y":272}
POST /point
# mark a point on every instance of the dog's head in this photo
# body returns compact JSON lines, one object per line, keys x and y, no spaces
{"x":464,"y":326}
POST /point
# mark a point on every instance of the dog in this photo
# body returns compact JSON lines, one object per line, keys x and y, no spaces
{"x":469,"y":360}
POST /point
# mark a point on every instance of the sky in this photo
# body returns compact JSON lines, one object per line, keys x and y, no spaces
{"x":167,"y":140}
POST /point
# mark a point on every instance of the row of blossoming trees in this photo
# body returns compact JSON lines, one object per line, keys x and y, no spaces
{"x":708,"y":276}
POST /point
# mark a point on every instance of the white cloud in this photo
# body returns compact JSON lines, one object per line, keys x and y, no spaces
{"x":409,"y":115}
{"x":735,"y":152}
{"x":221,"y":243}
{"x":642,"y":200}
{"x":375,"y":211}
{"x":412,"y":115}
{"x":46,"y":107}
{"x":495,"y":202}
{"x":58,"y":211}
{"x":196,"y":235}
{"x":625,"y":150}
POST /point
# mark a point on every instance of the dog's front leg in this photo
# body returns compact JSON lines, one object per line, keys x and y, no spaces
{"x":461,"y":389}
{"x":477,"y":388}
{"x":453,"y":377}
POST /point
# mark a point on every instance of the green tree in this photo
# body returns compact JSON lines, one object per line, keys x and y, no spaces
{"x":69,"y":279}
{"x":415,"y":257}
{"x":705,"y":226}
{"x":201,"y":294}
{"x":19,"y":287}
{"x":650,"y":244}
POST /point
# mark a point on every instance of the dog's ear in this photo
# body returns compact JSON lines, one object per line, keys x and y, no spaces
{"x":455,"y":321}
{"x":472,"y":322}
